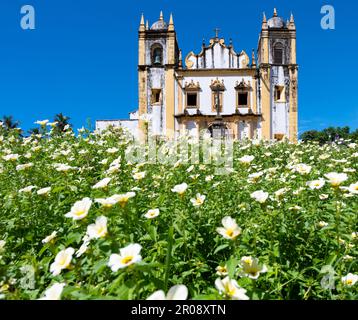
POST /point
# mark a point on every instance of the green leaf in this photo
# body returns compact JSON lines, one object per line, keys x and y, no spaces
{"x":219,"y":248}
{"x":231,"y":267}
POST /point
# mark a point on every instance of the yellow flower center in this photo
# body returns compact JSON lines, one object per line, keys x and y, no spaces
{"x":79,"y":213}
{"x":127,"y":259}
{"x":230,"y":290}
{"x":349,"y":282}
{"x":62,"y":261}
{"x":100,"y":230}
{"x":230,"y":232}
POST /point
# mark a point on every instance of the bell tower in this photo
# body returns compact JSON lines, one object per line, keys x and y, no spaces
{"x":158,"y":57}
{"x":278,"y":71}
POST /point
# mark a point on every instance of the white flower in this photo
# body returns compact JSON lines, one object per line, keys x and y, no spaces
{"x":353,"y":188}
{"x":153,"y":213}
{"x":302,"y":168}
{"x":54,"y":292}
{"x":209,"y":178}
{"x":177,"y":292}
{"x":354,"y":235}
{"x":42,"y":122}
{"x":107,"y":202}
{"x":83,"y":248}
{"x":11,"y":157}
{"x":112,"y":150}
{"x":80,"y":209}
{"x":102,"y":184}
{"x":255,"y":176}
{"x":323,"y":196}
{"x":246,"y":159}
{"x":350,"y":279}
{"x":322,"y":224}
{"x":251,"y":268}
{"x":43,"y":191}
{"x":61,"y":167}
{"x":280,"y":192}
{"x":221,"y":271}
{"x":260,"y":196}
{"x":27,"y":189}
{"x":231,"y":289}
{"x":123,"y":198}
{"x":62,"y":261}
{"x":230,"y":230}
{"x":198,"y":201}
{"x":127,"y":256}
{"x":98,"y":229}
{"x":22,"y":167}
{"x":138,"y":175}
{"x":113,"y":169}
{"x":52,"y":124}
{"x":336,"y":179}
{"x":180,"y":188}
{"x":50,"y":237}
{"x":316,"y":184}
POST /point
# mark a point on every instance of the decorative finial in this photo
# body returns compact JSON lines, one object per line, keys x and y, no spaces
{"x":171,"y":23}
{"x":275,"y":12}
{"x":216,"y":30}
{"x":203,"y":43}
{"x":253,"y":58}
{"x":147,"y":25}
{"x":264,"y":23}
{"x":161,"y":16}
{"x":292,"y":20}
{"x":142,"y":26}
{"x":230,"y":42}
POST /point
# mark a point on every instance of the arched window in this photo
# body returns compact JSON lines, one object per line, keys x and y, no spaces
{"x":278,"y":54}
{"x":157,"y":55}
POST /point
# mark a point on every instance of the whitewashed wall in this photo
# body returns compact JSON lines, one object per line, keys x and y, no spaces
{"x":229,"y":96}
{"x":130,"y":125}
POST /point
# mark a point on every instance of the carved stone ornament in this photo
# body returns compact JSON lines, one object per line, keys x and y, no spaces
{"x":217,"y":85}
{"x":192,"y":86}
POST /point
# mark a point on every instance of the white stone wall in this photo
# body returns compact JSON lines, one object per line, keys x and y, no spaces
{"x":280,"y":110}
{"x":219,"y":56}
{"x":130,"y":125}
{"x":229,"y":95}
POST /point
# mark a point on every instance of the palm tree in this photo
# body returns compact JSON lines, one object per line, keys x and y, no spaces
{"x":9,"y":123}
{"x":62,"y":121}
{"x":34,"y":131}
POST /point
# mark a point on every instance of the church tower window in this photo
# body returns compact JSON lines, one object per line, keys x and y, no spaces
{"x":191,"y":99}
{"x":156,"y":96}
{"x":157,"y":55}
{"x":278,"y":54}
{"x":192,"y":93}
{"x":243,"y":90}
{"x":242,"y":96}
{"x":280,"y":94}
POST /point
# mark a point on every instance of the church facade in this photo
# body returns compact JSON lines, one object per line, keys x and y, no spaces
{"x":254,"y":97}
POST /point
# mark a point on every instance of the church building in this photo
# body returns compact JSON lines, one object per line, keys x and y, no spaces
{"x":219,"y":87}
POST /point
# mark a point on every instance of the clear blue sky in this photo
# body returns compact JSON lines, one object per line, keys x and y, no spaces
{"x":82,"y":58}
